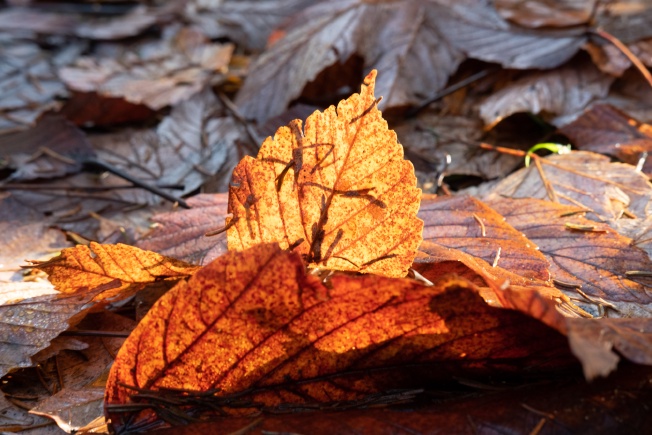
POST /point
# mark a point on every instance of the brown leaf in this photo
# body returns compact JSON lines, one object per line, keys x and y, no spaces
{"x":253,"y":325}
{"x":564,"y":91}
{"x":31,"y":315}
{"x":417,"y":46}
{"x":195,"y":142}
{"x":52,"y":148}
{"x":156,"y":73}
{"x":451,"y":145}
{"x":247,"y":23}
{"x":591,"y":266}
{"x":24,"y":234}
{"x":401,"y":39}
{"x":180,"y":234}
{"x":71,"y":409}
{"x":546,"y":13}
{"x":125,"y":269}
{"x":606,"y":130}
{"x":29,"y":81}
{"x":497,"y":286}
{"x":583,"y":179}
{"x":336,"y":190}
{"x":595,"y":342}
{"x":629,"y":21}
{"x":464,"y":223}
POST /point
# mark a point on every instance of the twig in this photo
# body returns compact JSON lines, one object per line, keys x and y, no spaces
{"x":97,"y":164}
{"x":450,"y":89}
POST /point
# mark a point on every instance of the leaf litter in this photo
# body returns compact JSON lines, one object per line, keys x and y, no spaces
{"x":616,"y":194}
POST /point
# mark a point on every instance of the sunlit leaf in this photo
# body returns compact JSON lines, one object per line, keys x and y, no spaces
{"x":337,"y":190}
{"x":253,"y":325}
{"x":128,"y":268}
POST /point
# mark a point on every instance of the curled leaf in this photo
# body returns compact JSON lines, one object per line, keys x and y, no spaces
{"x":338,"y":191}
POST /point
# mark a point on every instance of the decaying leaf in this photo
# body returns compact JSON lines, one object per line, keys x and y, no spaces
{"x":606,"y":130}
{"x":337,"y":191}
{"x":543,"y":13}
{"x":596,"y":341}
{"x":583,"y":179}
{"x":467,"y":224}
{"x":154,"y":73}
{"x":52,"y":148}
{"x":194,"y":143}
{"x":565,"y":91}
{"x":28,"y":324}
{"x":450,"y":145}
{"x":24,"y":234}
{"x":589,"y":265}
{"x":29,"y":82}
{"x":417,"y":46}
{"x":181,"y":234}
{"x":248,"y":23}
{"x":252,"y":330}
{"x":124,"y":269}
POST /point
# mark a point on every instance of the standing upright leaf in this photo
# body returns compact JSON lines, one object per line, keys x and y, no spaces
{"x":337,"y":190}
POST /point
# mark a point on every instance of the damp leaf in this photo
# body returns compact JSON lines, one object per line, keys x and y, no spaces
{"x":336,"y":190}
{"x":127,"y":268}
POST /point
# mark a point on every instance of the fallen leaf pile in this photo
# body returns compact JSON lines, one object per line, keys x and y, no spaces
{"x":208,"y":225}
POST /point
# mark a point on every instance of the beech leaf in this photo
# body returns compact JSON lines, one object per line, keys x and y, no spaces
{"x":465,"y":223}
{"x":252,"y":330}
{"x":338,"y":191}
{"x":591,"y":265}
{"x":129,"y":269}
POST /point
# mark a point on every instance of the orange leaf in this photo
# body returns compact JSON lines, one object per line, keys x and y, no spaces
{"x":338,"y":190}
{"x":130,"y":268}
{"x":252,"y":330}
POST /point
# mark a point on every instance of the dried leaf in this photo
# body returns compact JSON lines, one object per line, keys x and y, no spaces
{"x":606,"y":130}
{"x":71,"y":409}
{"x":247,"y":23}
{"x":546,"y":13}
{"x":126,"y":268}
{"x":591,"y":265}
{"x":337,"y":190}
{"x":24,"y":233}
{"x":195,"y":142}
{"x":28,"y":324}
{"x":52,"y":148}
{"x":595,"y":342}
{"x":564,"y":91}
{"x":450,"y":144}
{"x":155,"y":73}
{"x":29,"y":81}
{"x":583,"y":179}
{"x":417,"y":46}
{"x":180,"y":234}
{"x":401,"y":39}
{"x":497,"y":286}
{"x":464,"y":223}
{"x":253,"y":325}
{"x":629,"y":21}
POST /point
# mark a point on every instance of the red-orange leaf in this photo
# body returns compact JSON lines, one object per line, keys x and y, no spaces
{"x":251,"y":330}
{"x":337,"y":190}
